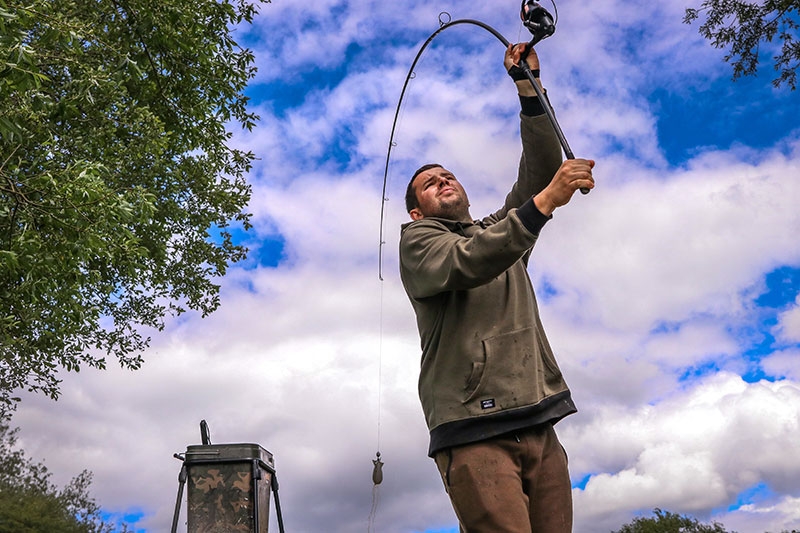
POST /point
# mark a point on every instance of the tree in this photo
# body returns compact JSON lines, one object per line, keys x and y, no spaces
{"x":667,"y":522}
{"x":744,"y":26}
{"x":30,"y":503}
{"x":118,"y":186}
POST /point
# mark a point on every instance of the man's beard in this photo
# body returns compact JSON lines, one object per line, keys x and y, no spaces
{"x":453,"y":209}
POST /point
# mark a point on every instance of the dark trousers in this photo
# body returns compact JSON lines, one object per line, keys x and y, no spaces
{"x":515,"y":483}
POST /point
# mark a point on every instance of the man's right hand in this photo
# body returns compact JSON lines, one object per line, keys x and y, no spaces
{"x":573,"y":174}
{"x":512,"y":58}
{"x":514,"y":54}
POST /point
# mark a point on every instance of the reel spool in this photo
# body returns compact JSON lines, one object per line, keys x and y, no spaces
{"x":537,"y":19}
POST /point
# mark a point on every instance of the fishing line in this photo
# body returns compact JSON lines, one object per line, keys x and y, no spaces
{"x":377,"y":464}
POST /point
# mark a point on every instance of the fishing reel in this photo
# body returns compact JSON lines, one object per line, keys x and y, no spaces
{"x":537,"y":19}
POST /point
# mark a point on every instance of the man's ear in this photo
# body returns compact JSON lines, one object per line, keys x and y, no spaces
{"x":416,"y":214}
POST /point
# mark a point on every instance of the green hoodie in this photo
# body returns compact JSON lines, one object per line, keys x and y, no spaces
{"x":487,"y":367}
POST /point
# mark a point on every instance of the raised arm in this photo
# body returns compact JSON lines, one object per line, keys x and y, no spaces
{"x":541,"y":151}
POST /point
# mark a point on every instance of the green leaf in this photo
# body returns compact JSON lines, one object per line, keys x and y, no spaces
{"x":116,"y":163}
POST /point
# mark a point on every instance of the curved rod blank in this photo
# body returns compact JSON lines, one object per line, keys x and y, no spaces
{"x":410,"y":75}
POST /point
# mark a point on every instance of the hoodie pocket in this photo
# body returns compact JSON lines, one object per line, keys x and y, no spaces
{"x":510,"y":374}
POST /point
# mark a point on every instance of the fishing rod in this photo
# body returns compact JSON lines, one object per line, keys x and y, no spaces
{"x":541,"y":25}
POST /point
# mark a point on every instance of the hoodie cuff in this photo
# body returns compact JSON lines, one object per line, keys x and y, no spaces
{"x":533,"y":219}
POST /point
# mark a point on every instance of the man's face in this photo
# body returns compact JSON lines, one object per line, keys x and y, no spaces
{"x":440,"y":195}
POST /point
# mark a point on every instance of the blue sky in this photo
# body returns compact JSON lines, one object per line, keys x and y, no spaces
{"x":670,"y":293}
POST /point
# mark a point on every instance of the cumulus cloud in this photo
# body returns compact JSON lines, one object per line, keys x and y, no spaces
{"x":788,"y":328}
{"x":690,"y":453}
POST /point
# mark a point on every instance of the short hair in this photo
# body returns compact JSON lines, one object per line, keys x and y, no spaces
{"x":411,"y":196}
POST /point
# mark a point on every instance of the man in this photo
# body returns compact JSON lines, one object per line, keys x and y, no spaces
{"x":489,"y":384}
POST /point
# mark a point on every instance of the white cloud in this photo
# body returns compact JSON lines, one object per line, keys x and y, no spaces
{"x":780,"y":515}
{"x":690,"y":453}
{"x":788,"y":328}
{"x":664,"y":247}
{"x":783,"y":363}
